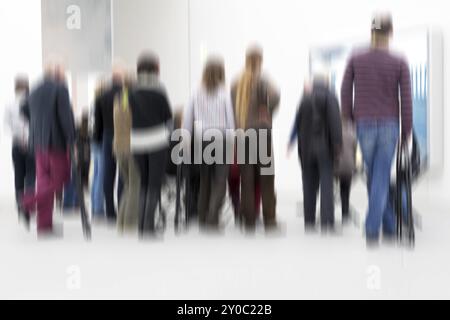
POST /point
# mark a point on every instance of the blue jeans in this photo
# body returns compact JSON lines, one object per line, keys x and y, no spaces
{"x":97,"y":195}
{"x":378,"y":141}
{"x":70,"y":196}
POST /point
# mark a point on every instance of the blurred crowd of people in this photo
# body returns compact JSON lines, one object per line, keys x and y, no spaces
{"x":127,"y":140}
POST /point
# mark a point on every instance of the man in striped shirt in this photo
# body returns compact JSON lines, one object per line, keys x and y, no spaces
{"x":374,"y":82}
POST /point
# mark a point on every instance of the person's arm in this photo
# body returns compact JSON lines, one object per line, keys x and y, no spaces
{"x":98,"y":121}
{"x":25,"y":110}
{"x":334,"y":122}
{"x":229,"y":112}
{"x":272,"y":94}
{"x":347,"y":92}
{"x":188,"y":117}
{"x":168,"y":114}
{"x":65,"y":115}
{"x":294,"y":131}
{"x":406,"y":101}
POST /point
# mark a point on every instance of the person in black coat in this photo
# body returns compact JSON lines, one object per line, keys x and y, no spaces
{"x":52,"y":135}
{"x":104,"y":132}
{"x":319,"y":132}
{"x":150,"y":137}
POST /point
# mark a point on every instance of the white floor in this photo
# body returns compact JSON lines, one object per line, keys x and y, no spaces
{"x":233,"y":266}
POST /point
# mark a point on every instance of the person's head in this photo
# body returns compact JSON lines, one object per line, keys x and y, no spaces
{"x":148,"y":63}
{"x":54,"y":68}
{"x":178,"y":118}
{"x":100,"y":86}
{"x":130,"y":79}
{"x":321,"y":75}
{"x":60,"y":73}
{"x":21,"y":86}
{"x":118,"y":72}
{"x":382,"y":30}
{"x":213,"y":74}
{"x":84,"y":124}
{"x":254,"y":59}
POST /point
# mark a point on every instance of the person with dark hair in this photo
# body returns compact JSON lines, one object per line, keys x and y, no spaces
{"x":255,"y":101}
{"x":211,"y":108}
{"x":23,"y":159}
{"x":52,"y":136}
{"x":318,"y":130}
{"x":104,"y":128}
{"x":150,"y":136}
{"x":376,"y":94}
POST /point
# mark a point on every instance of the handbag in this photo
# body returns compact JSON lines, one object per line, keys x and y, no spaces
{"x":345,"y":163}
{"x":403,"y":194}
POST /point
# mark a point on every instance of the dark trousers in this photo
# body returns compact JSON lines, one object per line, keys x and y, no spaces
{"x":192,"y":189}
{"x":213,"y":187}
{"x":234,"y":188}
{"x":109,"y":178}
{"x":318,"y":172}
{"x":152,"y":168}
{"x":250,"y":177}
{"x":24,"y":171}
{"x":345,"y":186}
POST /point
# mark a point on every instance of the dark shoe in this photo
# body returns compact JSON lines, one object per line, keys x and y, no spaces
{"x":250,"y":229}
{"x":98,"y":219}
{"x":310,"y":228}
{"x":327,"y":228}
{"x":212,"y":229}
{"x":332,"y":230}
{"x":50,"y":233}
{"x":389,"y":239}
{"x":24,"y":217}
{"x":150,"y":236}
{"x":346,"y":220}
{"x":372,"y":242}
{"x":112,"y":221}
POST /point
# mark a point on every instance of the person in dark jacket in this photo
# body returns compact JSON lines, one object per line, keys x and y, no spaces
{"x":319,"y":132}
{"x":52,"y":135}
{"x":150,"y":137}
{"x":104,"y":131}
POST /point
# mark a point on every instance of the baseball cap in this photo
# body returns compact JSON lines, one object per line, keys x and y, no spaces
{"x":382,"y":23}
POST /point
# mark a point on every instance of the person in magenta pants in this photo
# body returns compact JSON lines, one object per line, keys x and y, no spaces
{"x":51,"y":137}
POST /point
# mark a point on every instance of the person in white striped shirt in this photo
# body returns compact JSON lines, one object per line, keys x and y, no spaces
{"x":211,"y":108}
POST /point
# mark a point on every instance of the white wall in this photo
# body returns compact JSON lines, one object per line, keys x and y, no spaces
{"x":20,"y":34}
{"x":160,"y":26}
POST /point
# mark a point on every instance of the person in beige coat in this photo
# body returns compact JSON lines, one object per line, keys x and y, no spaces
{"x":255,"y":101}
{"x":129,"y":204}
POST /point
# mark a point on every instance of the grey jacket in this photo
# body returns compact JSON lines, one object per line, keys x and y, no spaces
{"x":51,"y":117}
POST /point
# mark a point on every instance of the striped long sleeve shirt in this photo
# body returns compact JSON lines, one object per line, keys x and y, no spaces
{"x":373,"y":83}
{"x":211,"y":110}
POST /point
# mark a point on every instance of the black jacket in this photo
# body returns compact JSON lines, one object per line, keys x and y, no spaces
{"x":104,"y":114}
{"x":48,"y":109}
{"x":152,"y":119}
{"x":319,"y":129}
